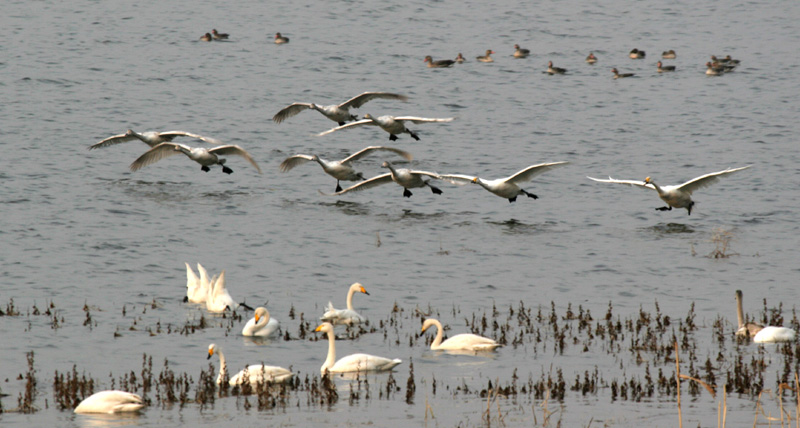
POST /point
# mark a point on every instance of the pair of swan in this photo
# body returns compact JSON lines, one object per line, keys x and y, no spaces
{"x":394,"y":125}
{"x":341,"y":170}
{"x":459,"y":342}
{"x":212,"y":291}
{"x":205,"y":157}
{"x":339,"y":113}
{"x":110,"y":402}
{"x":351,"y":363}
{"x":505,"y":187}
{"x":757,"y":332}
{"x":405,"y":178}
{"x":345,"y":316}
{"x":253,"y":374}
{"x":261,"y":325}
{"x":678,"y":196}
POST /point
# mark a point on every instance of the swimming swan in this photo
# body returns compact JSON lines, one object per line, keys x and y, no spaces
{"x":341,"y":170}
{"x":197,"y":289}
{"x":679,"y":196}
{"x":151,"y":138}
{"x":337,"y":113}
{"x":506,"y":187}
{"x":110,"y":402}
{"x":392,"y":124}
{"x":354,"y":362}
{"x":464,"y":341}
{"x":261,"y":325}
{"x":254,"y":373}
{"x":345,"y":316}
{"x":218,"y":298}
{"x":201,"y":155}
{"x":759,"y":333}
{"x":406,"y":178}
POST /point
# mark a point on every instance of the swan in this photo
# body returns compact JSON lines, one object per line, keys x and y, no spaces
{"x":670,"y":54}
{"x":261,"y":325}
{"x":345,"y":316}
{"x":201,"y":155}
{"x":636,"y":54}
{"x":617,"y":75}
{"x":151,"y":138}
{"x":521,"y":53}
{"x":664,"y":68}
{"x":406,"y":178}
{"x":487,"y":57}
{"x":506,"y":187}
{"x":442,"y":63}
{"x":591,"y":59}
{"x":218,"y":298}
{"x":253,"y":374}
{"x":279,"y":40}
{"x":464,"y":341}
{"x":759,"y":333}
{"x":338,"y":113}
{"x":555,"y":70}
{"x":110,"y":402}
{"x":460,"y":58}
{"x":679,"y":196}
{"x":219,"y":36}
{"x":197,"y":289}
{"x":354,"y":362}
{"x":341,"y":169}
{"x":392,"y":124}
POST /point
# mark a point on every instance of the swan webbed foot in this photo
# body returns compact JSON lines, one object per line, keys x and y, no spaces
{"x":338,"y":187}
{"x":407,"y":193}
{"x":689,"y":208}
{"x":205,"y":168}
{"x":392,"y":137}
{"x":226,"y":170}
{"x":185,"y":299}
{"x":413,"y":135}
{"x":514,"y":199}
{"x":664,"y":208}
{"x":530,"y":195}
{"x":341,"y":123}
{"x":435,"y":190}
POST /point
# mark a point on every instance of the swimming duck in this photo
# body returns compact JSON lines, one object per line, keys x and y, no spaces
{"x":554,"y":70}
{"x":670,"y":54}
{"x":636,"y":54}
{"x":591,"y":59}
{"x":279,"y":40}
{"x":520,"y":52}
{"x":338,"y":113}
{"x":460,"y":58}
{"x":219,"y":36}
{"x":442,"y":63}
{"x":664,"y":68}
{"x":487,"y":57}
{"x":617,"y":75}
{"x":206,"y":37}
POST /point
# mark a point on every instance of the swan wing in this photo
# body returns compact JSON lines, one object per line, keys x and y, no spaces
{"x":368,"y":184}
{"x":231,"y":149}
{"x":110,"y":402}
{"x":469,"y":341}
{"x":458,"y":179}
{"x":348,"y":125}
{"x":771,"y":334}
{"x":424,"y":119}
{"x":628,"y":182}
{"x":707,"y":180}
{"x":360,"y":100}
{"x":427,"y":174}
{"x":157,"y":153}
{"x":173,"y":134}
{"x":289,"y":111}
{"x":365,"y":151}
{"x":292,"y":161}
{"x":261,"y":373}
{"x":342,"y":316}
{"x":363,"y":363}
{"x":532,"y":171}
{"x":114,"y":139}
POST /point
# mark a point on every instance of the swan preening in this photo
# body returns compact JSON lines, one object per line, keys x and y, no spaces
{"x":201,"y":155}
{"x":110,"y":402}
{"x":351,"y":363}
{"x":253,"y":374}
{"x":197,"y":288}
{"x":394,"y":125}
{"x":679,"y":196}
{"x":405,"y":178}
{"x":218,"y":297}
{"x":341,"y":170}
{"x":261,"y":325}
{"x":459,"y":342}
{"x":151,"y":138}
{"x":338,"y":113}
{"x":345,"y":316}
{"x":505,"y":187}
{"x":757,"y":332}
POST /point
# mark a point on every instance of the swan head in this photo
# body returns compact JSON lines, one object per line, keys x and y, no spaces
{"x":648,"y":180}
{"x":369,"y":116}
{"x":428,"y":324}
{"x":212,"y":348}
{"x":262,"y":312}
{"x":360,"y":288}
{"x":325,"y":327}
{"x":129,"y":133}
{"x":386,"y":164}
{"x":475,"y":180}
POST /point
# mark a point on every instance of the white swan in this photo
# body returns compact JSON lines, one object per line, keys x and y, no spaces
{"x":110,"y":402}
{"x":506,"y":187}
{"x":337,"y":113}
{"x":354,"y":362}
{"x":218,"y":298}
{"x":254,"y":373}
{"x":679,"y":196}
{"x":406,"y":178}
{"x":341,"y":170}
{"x":759,"y":333}
{"x":464,"y":341}
{"x":392,"y":124}
{"x":261,"y":325}
{"x":197,"y":289}
{"x":151,"y":138}
{"x":345,"y":316}
{"x":201,"y":155}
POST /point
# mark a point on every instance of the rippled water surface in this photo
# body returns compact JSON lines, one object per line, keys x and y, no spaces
{"x":84,"y":235}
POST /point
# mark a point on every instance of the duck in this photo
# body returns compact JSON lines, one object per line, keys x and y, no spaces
{"x":279,"y":40}
{"x":111,"y":401}
{"x":725,"y":61}
{"x":591,"y":59}
{"x":714,"y":70}
{"x":151,"y":138}
{"x":555,"y":70}
{"x":219,"y":36}
{"x":197,"y":289}
{"x":345,"y":316}
{"x":664,"y":68}
{"x":508,"y":187}
{"x":520,"y":52}
{"x":339,"y":113}
{"x":617,"y":75}
{"x":442,"y":63}
{"x":459,"y":342}
{"x":405,"y":178}
{"x":724,"y":66}
{"x":487,"y":57}
{"x":757,"y":332}
{"x":341,"y":170}
{"x":670,"y":54}
{"x":205,"y":157}
{"x":636,"y":54}
{"x":460,"y":58}
{"x":219,"y":299}
{"x":392,"y":124}
{"x":261,"y":325}
{"x":679,"y":196}
{"x":351,"y":363}
{"x":206,"y":37}
{"x":252,"y":374}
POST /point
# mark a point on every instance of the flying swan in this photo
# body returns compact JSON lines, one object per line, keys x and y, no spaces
{"x":354,"y":362}
{"x":110,"y":402}
{"x":464,"y":341}
{"x":253,"y":374}
{"x":406,"y":178}
{"x":679,"y":196}
{"x":261,"y":325}
{"x":345,"y":316}
{"x":392,"y":124}
{"x":201,"y":155}
{"x":759,"y":333}
{"x":506,"y":187}
{"x":337,"y":113}
{"x":151,"y":138}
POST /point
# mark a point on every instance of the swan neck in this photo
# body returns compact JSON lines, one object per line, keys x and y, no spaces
{"x":739,"y":311}
{"x":439,"y":333}
{"x":350,"y":294}
{"x":223,"y":368}
{"x":331,"y":351}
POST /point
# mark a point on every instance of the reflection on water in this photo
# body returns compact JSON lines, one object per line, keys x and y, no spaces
{"x":108,"y":420}
{"x":347,"y":207}
{"x":516,"y":227}
{"x":670,"y":228}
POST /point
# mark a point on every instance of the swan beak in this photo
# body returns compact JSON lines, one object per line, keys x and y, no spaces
{"x":364,"y":290}
{"x":210,"y":353}
{"x":647,"y":180}
{"x":257,"y":317}
{"x":475,"y":180}
{"x":319,"y":327}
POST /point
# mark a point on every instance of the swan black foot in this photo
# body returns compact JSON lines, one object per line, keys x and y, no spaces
{"x":341,"y":123}
{"x":689,"y":208}
{"x":664,"y":209}
{"x":530,"y":195}
{"x":407,"y":193}
{"x":338,"y":187}
{"x":392,"y":137}
{"x":413,"y":135}
{"x":205,"y":168}
{"x":226,"y":170}
{"x":514,"y":199}
{"x":435,"y":190}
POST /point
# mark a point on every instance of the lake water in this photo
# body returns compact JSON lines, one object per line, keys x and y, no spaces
{"x":81,"y":232}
